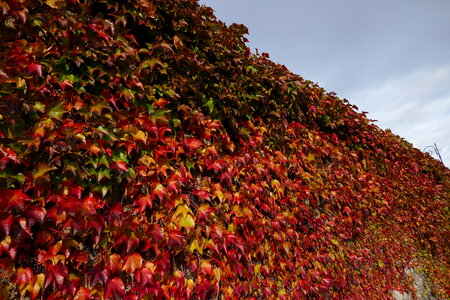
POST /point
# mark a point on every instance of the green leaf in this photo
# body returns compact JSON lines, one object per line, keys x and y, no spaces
{"x":71,"y":166}
{"x":189,"y":164}
{"x":102,"y":189}
{"x":39,"y":106}
{"x":176,"y":122}
{"x":98,"y":107}
{"x":120,"y":156}
{"x":41,"y":171}
{"x":70,"y":77}
{"x":103,"y":173}
{"x":210,"y":105}
{"x":107,"y":134}
{"x":151,"y":63}
{"x":10,"y":174}
{"x":103,"y":161}
{"x":57,"y":111}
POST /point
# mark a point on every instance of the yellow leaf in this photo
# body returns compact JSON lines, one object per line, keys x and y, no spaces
{"x":248,"y":212}
{"x":38,"y":285}
{"x":81,"y":137}
{"x":39,"y":107}
{"x":218,"y":194}
{"x":58,"y":258}
{"x":6,"y":242}
{"x":195,"y":246}
{"x":98,"y":107}
{"x":237,"y":210}
{"x":257,"y":269}
{"x":55,"y":3}
{"x":217,"y":273}
{"x":183,"y":210}
{"x":42,"y":171}
{"x":190,"y":284}
{"x":186,"y":221}
{"x":146,"y":160}
{"x":140,"y":136}
{"x":275,"y":184}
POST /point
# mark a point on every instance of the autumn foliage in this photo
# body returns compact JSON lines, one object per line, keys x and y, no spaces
{"x":146,"y":153}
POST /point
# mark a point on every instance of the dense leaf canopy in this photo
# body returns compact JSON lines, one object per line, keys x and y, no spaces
{"x":146,"y":153}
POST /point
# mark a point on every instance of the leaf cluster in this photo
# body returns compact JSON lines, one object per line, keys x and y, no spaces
{"x":146,"y":153}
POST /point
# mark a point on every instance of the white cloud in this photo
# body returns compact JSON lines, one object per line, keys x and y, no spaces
{"x":415,"y":106}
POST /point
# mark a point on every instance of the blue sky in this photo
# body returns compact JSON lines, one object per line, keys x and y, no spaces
{"x":391,"y":58}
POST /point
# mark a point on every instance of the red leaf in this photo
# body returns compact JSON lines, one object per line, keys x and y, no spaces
{"x":9,"y":154}
{"x":175,"y":239}
{"x":216,"y":166}
{"x":91,"y":204}
{"x":16,"y":198}
{"x":156,"y":233}
{"x":327,"y":281}
{"x":132,"y":241}
{"x":206,"y":268}
{"x":115,"y":287}
{"x":66,"y":83}
{"x":55,"y":274}
{"x":161,"y":102}
{"x":161,"y":152}
{"x":6,"y":225}
{"x":145,"y":201}
{"x":24,"y":276}
{"x":204,"y":195}
{"x":144,"y":276}
{"x":173,"y":186}
{"x":121,"y":165}
{"x":23,"y":16}
{"x":35,"y":68}
{"x":193,"y":143}
{"x":160,"y":191}
{"x":12,"y":252}
{"x":204,"y":211}
{"x":76,"y":191}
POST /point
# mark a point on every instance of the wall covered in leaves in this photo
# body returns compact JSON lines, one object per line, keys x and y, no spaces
{"x":146,"y":153}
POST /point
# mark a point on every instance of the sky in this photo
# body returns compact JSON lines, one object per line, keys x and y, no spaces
{"x":391,"y":58}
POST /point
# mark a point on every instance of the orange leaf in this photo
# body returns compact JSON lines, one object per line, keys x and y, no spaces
{"x":206,"y":268}
{"x":193,"y":143}
{"x":83,"y":294}
{"x":132,"y":262}
{"x":114,"y":263}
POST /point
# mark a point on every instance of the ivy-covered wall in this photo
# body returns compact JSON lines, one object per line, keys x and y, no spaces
{"x":146,"y":153}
